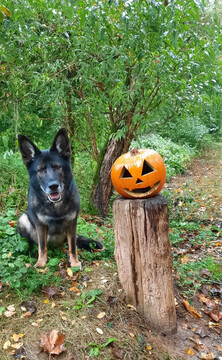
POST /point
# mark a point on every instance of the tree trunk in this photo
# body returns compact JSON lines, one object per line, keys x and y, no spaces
{"x":143,"y":256}
{"x":104,"y":188}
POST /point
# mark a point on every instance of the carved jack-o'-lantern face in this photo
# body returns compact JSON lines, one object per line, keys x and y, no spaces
{"x":138,"y":174}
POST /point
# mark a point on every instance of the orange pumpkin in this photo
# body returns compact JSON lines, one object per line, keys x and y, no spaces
{"x":138,"y":173}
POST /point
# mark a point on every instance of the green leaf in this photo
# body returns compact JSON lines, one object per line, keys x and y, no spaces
{"x":109,"y":342}
{"x":94,"y":351}
{"x":53,"y":262}
{"x":2,"y":309}
{"x":94,"y":293}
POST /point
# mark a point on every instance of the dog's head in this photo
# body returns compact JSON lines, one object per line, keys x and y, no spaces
{"x":49,"y":170}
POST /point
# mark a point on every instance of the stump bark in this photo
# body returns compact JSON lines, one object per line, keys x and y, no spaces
{"x":144,"y":260}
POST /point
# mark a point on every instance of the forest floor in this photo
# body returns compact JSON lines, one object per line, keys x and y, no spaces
{"x":102,"y":325}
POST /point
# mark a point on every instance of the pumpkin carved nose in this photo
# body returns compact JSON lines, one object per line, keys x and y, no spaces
{"x":138,"y":181}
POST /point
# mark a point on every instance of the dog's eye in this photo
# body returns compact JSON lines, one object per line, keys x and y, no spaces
{"x":41,"y":170}
{"x":56,"y":166}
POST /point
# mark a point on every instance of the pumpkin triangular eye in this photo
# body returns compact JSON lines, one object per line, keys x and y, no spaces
{"x":125,"y":173}
{"x":147,"y":168}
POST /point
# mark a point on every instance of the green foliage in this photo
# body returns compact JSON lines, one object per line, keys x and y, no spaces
{"x":13,"y":183}
{"x":108,"y":69}
{"x":186,"y":131}
{"x":86,"y":299}
{"x":16,"y":263}
{"x":175,"y":156}
{"x":190,"y":273}
{"x":95,"y":348}
{"x":103,"y":233}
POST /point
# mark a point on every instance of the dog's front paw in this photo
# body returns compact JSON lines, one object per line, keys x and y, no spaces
{"x":40,"y":263}
{"x":75,"y":263}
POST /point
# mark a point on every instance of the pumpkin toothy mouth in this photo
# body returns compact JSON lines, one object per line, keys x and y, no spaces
{"x":143,"y":192}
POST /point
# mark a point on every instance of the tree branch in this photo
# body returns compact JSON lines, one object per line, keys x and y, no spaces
{"x":89,"y":119}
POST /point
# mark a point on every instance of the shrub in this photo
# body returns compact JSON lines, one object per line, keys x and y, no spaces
{"x":175,"y":156}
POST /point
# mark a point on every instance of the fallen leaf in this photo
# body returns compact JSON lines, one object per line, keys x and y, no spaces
{"x":27,"y":314}
{"x":95,"y":263}
{"x":191,"y":309}
{"x":198,"y":347}
{"x":99,"y":331}
{"x":205,"y":272}
{"x":201,"y":333}
{"x":9,"y":313}
{"x":75,"y":289}
{"x":117,"y":353}
{"x":53,"y":305}
{"x":112,"y":300}
{"x":35,"y":324}
{"x":29,"y":306}
{"x":63,"y":317}
{"x":104,"y":281}
{"x":53,"y":343}
{"x":16,"y":337}
{"x":185,"y":259}
{"x":209,"y":356}
{"x":216,"y":315}
{"x":46,"y":301}
{"x":101,"y":315}
{"x":7,"y":345}
{"x":50,"y":291}
{"x":207,"y":301}
{"x":11,"y":308}
{"x":189,"y":352}
{"x":17,"y":345}
{"x":69,"y":272}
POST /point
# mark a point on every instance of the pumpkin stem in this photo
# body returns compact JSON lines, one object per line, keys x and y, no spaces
{"x":134,"y":151}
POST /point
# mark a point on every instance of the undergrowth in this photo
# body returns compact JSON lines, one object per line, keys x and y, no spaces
{"x":17,"y":259}
{"x":175,"y":156}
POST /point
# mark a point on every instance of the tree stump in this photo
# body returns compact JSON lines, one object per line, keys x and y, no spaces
{"x":144,"y":260}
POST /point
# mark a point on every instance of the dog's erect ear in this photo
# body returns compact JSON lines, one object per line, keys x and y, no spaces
{"x":61,"y":143}
{"x":28,"y":149}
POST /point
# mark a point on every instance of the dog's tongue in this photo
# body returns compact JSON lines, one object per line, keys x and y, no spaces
{"x":54,"y":196}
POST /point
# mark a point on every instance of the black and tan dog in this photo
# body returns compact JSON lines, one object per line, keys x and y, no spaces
{"x":53,"y":199}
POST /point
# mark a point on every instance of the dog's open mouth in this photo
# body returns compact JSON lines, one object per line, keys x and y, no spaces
{"x":54,"y":196}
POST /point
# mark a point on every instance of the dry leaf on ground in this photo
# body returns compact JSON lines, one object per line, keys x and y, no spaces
{"x":191,"y":309}
{"x":50,"y":291}
{"x":52,"y":343}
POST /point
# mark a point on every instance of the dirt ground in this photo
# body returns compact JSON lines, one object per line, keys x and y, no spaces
{"x":110,"y":317}
{"x":203,"y":179}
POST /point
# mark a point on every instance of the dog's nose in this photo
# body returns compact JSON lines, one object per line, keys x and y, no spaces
{"x":53,"y":186}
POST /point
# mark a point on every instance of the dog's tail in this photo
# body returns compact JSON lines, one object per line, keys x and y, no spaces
{"x":87,"y":243}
